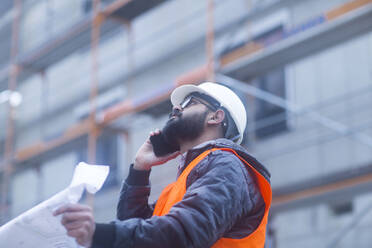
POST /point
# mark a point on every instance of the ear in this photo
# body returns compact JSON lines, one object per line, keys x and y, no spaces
{"x":216,"y":117}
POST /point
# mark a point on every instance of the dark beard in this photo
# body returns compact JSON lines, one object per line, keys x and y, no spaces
{"x":183,"y":128}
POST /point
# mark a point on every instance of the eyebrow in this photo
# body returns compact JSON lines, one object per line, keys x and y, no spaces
{"x":206,"y":103}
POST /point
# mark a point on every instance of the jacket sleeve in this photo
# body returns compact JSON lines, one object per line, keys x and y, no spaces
{"x":134,"y":194}
{"x":210,"y":207}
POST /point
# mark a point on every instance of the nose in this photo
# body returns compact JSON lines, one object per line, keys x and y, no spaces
{"x":176,"y":110}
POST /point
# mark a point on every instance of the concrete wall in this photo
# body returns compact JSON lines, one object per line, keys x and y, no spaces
{"x":303,"y":153}
{"x":317,"y":79}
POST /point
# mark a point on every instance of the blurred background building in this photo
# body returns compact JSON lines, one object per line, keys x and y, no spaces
{"x":84,"y":80}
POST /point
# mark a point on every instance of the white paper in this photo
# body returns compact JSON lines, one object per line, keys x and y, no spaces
{"x":38,"y":227}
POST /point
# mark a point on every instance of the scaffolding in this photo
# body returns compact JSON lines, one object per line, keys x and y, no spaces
{"x":330,"y":29}
{"x":103,"y":20}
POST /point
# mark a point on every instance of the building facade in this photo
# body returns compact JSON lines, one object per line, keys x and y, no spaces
{"x":302,"y":68}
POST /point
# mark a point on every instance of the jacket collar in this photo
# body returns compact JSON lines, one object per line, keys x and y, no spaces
{"x":221,"y":143}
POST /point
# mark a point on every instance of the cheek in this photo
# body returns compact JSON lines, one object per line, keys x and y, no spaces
{"x":197,"y":109}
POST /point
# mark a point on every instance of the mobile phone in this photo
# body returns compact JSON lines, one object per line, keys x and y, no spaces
{"x":161,"y":146}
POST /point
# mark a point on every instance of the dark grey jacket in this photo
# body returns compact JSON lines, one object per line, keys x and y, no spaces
{"x":222,"y":200}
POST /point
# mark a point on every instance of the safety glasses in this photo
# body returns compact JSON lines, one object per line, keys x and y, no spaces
{"x":192,"y":100}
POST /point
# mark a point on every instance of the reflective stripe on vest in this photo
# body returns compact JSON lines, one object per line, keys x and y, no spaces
{"x":174,"y":193}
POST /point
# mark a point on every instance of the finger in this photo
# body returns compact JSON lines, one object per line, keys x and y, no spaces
{"x":84,"y":225}
{"x":76,"y":216}
{"x":82,"y":235}
{"x":71,"y":208}
{"x":73,"y":225}
{"x":78,"y":233}
{"x":157,"y":131}
{"x":148,"y":141}
{"x":80,"y":241}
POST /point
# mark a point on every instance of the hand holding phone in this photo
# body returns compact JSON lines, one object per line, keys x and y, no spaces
{"x":161,"y":146}
{"x":155,"y":151}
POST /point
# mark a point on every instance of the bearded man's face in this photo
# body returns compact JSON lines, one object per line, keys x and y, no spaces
{"x":184,"y":127}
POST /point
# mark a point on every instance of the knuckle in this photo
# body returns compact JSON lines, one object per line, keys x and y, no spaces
{"x":67,"y":207}
{"x":90,"y":216}
{"x":63,"y":220}
{"x":86,"y":225}
{"x":66,"y":217}
{"x":71,"y":233}
{"x":78,"y":232}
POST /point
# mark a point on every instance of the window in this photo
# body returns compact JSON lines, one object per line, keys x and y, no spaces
{"x":341,"y":208}
{"x":270,"y":119}
{"x":107,"y":154}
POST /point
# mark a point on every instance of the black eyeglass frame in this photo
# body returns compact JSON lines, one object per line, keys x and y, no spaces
{"x":185,"y":103}
{"x":214,"y":107}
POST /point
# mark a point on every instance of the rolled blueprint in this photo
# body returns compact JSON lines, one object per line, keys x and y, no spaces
{"x":38,"y":227}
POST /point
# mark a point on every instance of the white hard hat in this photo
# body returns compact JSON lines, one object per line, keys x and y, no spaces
{"x":225,"y":96}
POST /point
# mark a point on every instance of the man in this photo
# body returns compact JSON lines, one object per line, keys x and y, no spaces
{"x":221,"y":197}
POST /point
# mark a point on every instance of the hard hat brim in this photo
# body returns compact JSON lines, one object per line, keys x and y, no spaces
{"x":180,"y":93}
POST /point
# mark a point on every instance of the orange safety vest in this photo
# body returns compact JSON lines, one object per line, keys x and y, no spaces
{"x":174,"y":193}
